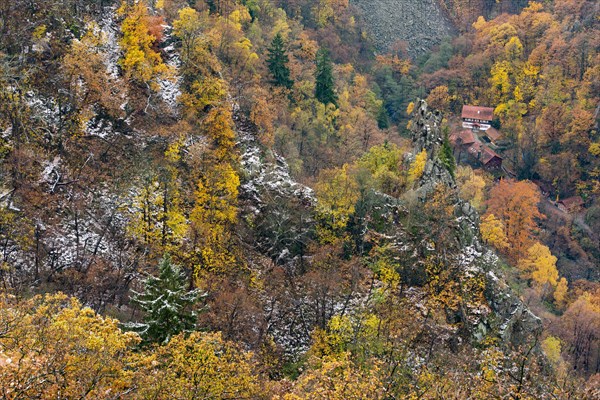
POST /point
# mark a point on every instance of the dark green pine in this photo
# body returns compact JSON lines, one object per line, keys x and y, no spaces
{"x":166,"y":303}
{"x":277,"y":62}
{"x":324,"y":83}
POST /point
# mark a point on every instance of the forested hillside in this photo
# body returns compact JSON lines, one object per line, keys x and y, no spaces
{"x":250,"y":199}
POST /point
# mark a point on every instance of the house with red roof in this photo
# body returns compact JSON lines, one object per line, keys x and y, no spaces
{"x":463,"y":138}
{"x":493,"y":135}
{"x":476,"y":117}
{"x":485,"y":156}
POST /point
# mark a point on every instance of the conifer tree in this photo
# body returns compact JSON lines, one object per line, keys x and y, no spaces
{"x":166,"y":303}
{"x":446,"y":155}
{"x":324,"y":84}
{"x":277,"y":62}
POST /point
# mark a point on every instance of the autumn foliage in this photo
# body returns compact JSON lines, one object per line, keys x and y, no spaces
{"x":515,"y":205}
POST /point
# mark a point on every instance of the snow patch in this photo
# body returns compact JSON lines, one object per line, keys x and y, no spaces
{"x":109,"y":32}
{"x":170,"y":89}
{"x":261,"y":175}
{"x":99,"y":127}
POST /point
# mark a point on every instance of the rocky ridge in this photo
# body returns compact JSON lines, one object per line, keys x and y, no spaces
{"x":510,"y":317}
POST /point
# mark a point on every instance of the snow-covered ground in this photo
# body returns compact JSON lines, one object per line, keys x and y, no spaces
{"x":109,"y":31}
{"x":170,"y":89}
{"x":264,"y":175}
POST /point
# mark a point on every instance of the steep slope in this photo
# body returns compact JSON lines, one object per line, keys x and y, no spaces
{"x":421,"y":24}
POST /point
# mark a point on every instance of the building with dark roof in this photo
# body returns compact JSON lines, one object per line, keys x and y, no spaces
{"x":486,"y":156}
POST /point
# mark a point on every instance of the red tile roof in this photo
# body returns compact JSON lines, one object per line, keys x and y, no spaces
{"x":483,"y":153}
{"x":488,"y":155}
{"x":493,"y":134}
{"x":474,"y":149}
{"x":476,"y":112}
{"x":466,"y":136}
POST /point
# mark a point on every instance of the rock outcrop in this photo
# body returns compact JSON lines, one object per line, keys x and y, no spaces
{"x":426,"y":135}
{"x":509,"y":317}
{"x":421,"y":24}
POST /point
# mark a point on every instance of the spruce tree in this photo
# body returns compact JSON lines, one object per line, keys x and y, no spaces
{"x":277,"y":62}
{"x":324,"y":83}
{"x":446,"y":155}
{"x":166,"y":303}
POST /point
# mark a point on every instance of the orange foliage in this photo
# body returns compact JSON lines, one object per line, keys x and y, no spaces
{"x":516,"y":205}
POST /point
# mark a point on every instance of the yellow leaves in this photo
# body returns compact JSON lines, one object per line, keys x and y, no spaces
{"x":59,"y":349}
{"x":240,"y":16}
{"x":501,"y":35}
{"x":218,"y":126}
{"x":323,"y":12}
{"x":439,"y":98}
{"x":410,"y":108}
{"x":399,"y":65}
{"x":140,"y":62}
{"x":358,"y":332}
{"x":214,"y":212}
{"x":480,"y":23}
{"x":500,"y":79}
{"x":384,"y":163}
{"x":216,"y":196}
{"x":172,"y":154}
{"x":337,"y":193}
{"x":205,"y":91}
{"x":340,"y":333}
{"x":560,"y":293}
{"x":492,"y":232}
{"x":517,"y":94}
{"x":444,"y":292}
{"x":188,"y":22}
{"x":540,"y":265}
{"x":158,"y":220}
{"x":39,"y":32}
{"x":594,"y":149}
{"x":530,"y":70}
{"x":16,"y":228}
{"x":471,"y":186}
{"x":384,"y":266}
{"x":388,"y":275}
{"x":552,"y":347}
{"x":281,"y":27}
{"x":201,"y":365}
{"x":339,"y":379}
{"x":513,"y":49}
{"x":417,"y":167}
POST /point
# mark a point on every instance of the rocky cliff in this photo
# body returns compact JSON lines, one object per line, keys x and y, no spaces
{"x":421,"y":24}
{"x":509,"y":317}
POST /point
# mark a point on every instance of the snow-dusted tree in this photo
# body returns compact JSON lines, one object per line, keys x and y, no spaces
{"x":166,"y":303}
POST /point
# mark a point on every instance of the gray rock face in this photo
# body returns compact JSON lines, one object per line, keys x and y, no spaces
{"x":426,"y":135}
{"x":420,"y":23}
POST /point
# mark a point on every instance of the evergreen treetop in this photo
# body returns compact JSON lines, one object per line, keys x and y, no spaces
{"x":324,"y":83}
{"x":446,"y":154}
{"x":277,"y":62}
{"x":166,"y":303}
